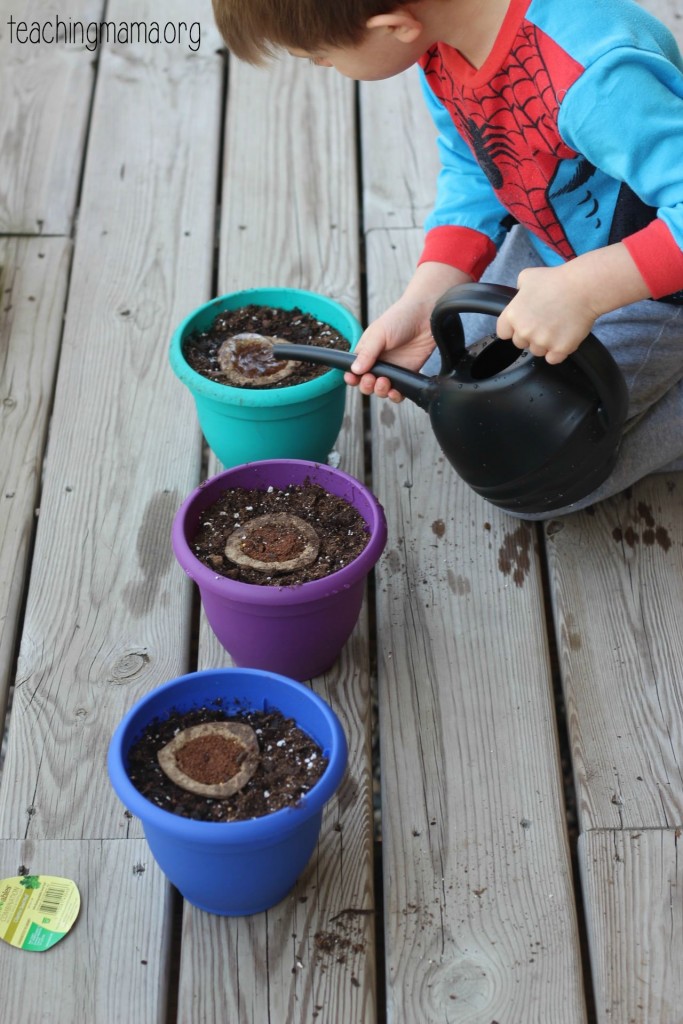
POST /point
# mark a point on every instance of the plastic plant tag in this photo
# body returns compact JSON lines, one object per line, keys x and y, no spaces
{"x":36,"y":911}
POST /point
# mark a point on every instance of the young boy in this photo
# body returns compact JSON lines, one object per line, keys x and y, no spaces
{"x":565,"y":121}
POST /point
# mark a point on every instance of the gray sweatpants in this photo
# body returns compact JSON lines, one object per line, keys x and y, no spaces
{"x":646,"y":340}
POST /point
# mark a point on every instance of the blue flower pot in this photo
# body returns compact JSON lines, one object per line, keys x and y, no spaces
{"x":250,"y":424}
{"x":239,"y":867}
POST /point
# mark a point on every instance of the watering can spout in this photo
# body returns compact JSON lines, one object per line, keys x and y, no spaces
{"x":418,"y":388}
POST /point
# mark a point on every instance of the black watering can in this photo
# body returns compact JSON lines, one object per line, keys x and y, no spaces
{"x":524,"y":434}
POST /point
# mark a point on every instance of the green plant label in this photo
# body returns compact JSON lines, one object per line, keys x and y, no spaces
{"x":36,"y":911}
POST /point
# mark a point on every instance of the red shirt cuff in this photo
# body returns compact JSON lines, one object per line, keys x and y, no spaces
{"x":659,"y":259}
{"x":462,"y":248}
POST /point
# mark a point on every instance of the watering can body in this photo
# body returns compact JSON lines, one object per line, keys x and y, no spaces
{"x":525,"y":435}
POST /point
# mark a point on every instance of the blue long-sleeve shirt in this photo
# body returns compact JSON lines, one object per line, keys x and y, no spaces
{"x":573,"y":127}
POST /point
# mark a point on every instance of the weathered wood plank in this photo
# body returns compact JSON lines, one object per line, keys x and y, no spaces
{"x":616,"y":575}
{"x":113,"y":966}
{"x":290,"y":215}
{"x":46,"y":91}
{"x":317,"y":947}
{"x":400,"y":159}
{"x":33,"y":279}
{"x":105,"y":617}
{"x":105,"y":620}
{"x":479,"y":906}
{"x":632,"y":884}
{"x":331,"y":977}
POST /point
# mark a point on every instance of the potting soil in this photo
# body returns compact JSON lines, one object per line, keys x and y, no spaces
{"x":342,"y":531}
{"x":290,"y":764}
{"x":201,"y":348}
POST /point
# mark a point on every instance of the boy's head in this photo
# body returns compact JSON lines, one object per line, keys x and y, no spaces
{"x":252,"y":29}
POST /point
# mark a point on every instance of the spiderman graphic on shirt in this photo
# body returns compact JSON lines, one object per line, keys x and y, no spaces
{"x":510,"y":123}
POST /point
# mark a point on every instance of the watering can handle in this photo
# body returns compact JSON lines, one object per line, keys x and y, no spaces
{"x":591,"y":357}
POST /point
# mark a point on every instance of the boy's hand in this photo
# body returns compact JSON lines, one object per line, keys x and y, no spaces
{"x":556,"y":307}
{"x":402,"y":335}
{"x":549,"y":315}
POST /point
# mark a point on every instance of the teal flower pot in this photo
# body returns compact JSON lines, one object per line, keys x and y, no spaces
{"x":248,"y":425}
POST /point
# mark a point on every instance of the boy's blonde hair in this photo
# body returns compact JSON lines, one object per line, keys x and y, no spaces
{"x":252,"y":29}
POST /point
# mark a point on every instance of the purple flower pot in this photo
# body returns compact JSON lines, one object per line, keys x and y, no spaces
{"x":298,"y":631}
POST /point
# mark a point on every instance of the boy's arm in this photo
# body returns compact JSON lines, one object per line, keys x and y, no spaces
{"x":636,"y":136}
{"x":640,"y":142}
{"x":625,"y":115}
{"x":463,"y":232}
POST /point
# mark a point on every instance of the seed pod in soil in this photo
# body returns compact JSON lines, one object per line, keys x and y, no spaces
{"x":198,"y":759}
{"x":247,"y":360}
{"x":275,"y":543}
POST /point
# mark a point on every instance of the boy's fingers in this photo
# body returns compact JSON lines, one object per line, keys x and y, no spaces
{"x":371,"y":385}
{"x":383,"y":387}
{"x":369,"y":349}
{"x":503,"y":327}
{"x":367,"y":384}
{"x":362,"y":363}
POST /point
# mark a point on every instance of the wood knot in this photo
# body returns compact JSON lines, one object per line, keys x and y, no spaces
{"x":128,"y":666}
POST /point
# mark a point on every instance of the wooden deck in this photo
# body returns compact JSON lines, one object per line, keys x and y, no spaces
{"x":136,"y":182}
